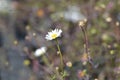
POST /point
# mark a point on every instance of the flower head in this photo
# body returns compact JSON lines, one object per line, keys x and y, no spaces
{"x":53,"y":34}
{"x":40,"y":51}
{"x":69,"y":64}
{"x":82,"y":73}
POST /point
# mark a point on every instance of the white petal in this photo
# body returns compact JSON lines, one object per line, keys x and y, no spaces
{"x":59,"y":33}
{"x":48,"y":38}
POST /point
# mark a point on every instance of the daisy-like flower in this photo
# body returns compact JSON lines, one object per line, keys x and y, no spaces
{"x":40,"y":51}
{"x":53,"y":34}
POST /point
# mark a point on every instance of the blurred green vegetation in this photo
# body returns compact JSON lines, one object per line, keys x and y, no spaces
{"x":24,"y":24}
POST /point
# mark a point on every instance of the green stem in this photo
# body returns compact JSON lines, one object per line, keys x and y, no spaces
{"x":51,"y":67}
{"x":46,"y":60}
{"x":61,"y":57}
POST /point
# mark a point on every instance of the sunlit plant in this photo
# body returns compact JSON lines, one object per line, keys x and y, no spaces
{"x":53,"y":35}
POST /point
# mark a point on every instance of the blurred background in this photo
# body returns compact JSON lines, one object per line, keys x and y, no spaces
{"x":24,"y":24}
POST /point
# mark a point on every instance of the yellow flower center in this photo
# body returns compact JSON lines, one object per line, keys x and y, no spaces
{"x":54,"y":36}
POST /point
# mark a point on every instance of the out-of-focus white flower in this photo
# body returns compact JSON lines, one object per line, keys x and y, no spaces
{"x":53,"y":34}
{"x":5,"y":5}
{"x":73,"y":14}
{"x":40,"y":51}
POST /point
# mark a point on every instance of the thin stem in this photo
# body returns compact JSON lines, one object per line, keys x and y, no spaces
{"x":51,"y":68}
{"x":87,"y":46}
{"x":61,"y":57}
{"x":46,"y":60}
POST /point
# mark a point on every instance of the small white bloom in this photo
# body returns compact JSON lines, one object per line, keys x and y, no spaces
{"x":53,"y":34}
{"x":40,"y":51}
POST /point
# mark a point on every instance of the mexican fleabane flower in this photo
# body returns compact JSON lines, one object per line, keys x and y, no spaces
{"x":53,"y":34}
{"x":40,"y":51}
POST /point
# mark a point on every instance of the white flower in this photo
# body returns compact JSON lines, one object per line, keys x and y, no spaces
{"x":53,"y":34}
{"x":73,"y":14}
{"x":5,"y":6}
{"x":40,"y":51}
